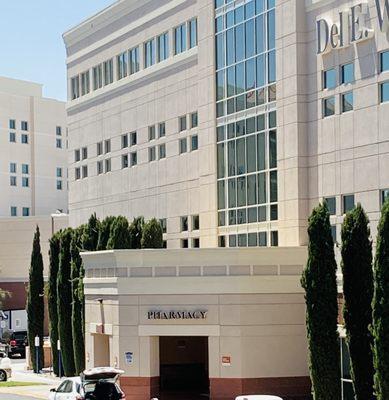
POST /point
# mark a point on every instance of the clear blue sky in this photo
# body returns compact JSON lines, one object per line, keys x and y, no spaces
{"x":31,"y":45}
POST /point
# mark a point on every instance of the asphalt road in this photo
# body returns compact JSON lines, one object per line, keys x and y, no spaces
{"x":6,"y":396}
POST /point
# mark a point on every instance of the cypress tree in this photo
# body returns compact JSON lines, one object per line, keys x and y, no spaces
{"x":90,"y":234}
{"x":35,"y":302}
{"x":77,"y":301}
{"x":152,"y":236}
{"x":319,"y":282}
{"x":104,"y":232}
{"x":381,"y":307}
{"x":120,"y":235}
{"x":136,"y":229}
{"x":64,"y":290}
{"x":52,"y":298}
{"x":358,"y":279}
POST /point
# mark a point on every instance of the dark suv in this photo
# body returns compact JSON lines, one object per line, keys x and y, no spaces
{"x":17,"y":344}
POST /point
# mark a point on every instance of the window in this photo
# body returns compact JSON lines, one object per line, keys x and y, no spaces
{"x":84,"y":153}
{"x":221,"y":241}
{"x":152,"y":132}
{"x":133,"y":159}
{"x":124,"y":161}
{"x":59,"y":172}
{"x":162,"y":151}
{"x":77,"y":173}
{"x":108,"y":72}
{"x":163,"y":47}
{"x":331,"y":205}
{"x":14,"y":211}
{"x":25,"y":182}
{"x":12,"y":168}
{"x":12,"y":124}
{"x":59,"y":143}
{"x":184,"y":243}
{"x":161,"y":129}
{"x":75,"y":87}
{"x":384,"y":92}
{"x":152,"y":154}
{"x":85,"y":83}
{"x":26,"y":211}
{"x":180,"y":39}
{"x":195,"y":222}
{"x":163,"y":223}
{"x":183,"y":146}
{"x":347,"y":73}
{"x":58,"y":131}
{"x":184,"y":224}
{"x":194,"y":120}
{"x":133,"y":139}
{"x":182,"y":123}
{"x":24,"y":125}
{"x":24,"y":138}
{"x":97,"y":77}
{"x":25,"y":169}
{"x":262,"y":239}
{"x":384,"y":61}
{"x":333,"y":233}
{"x":274,"y":238}
{"x":107,"y":146}
{"x":122,"y":65}
{"x":99,"y":148}
{"x":124,"y":141}
{"x":348,"y":203}
{"x":84,"y":171}
{"x":100,"y":168}
{"x":12,"y":180}
{"x":134,"y":60}
{"x":194,"y":143}
{"x":107,"y":165}
{"x":329,"y":79}
{"x":59,"y":185}
{"x":195,"y":243}
{"x":192,"y":33}
{"x":347,"y":101}
{"x":384,"y":196}
{"x":12,"y":137}
{"x":77,"y":155}
{"x":329,"y":106}
{"x":149,"y":49}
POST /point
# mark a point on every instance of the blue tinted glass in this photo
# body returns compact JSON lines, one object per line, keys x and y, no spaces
{"x":239,"y":15}
{"x":347,"y":102}
{"x":385,"y":61}
{"x":384,"y":92}
{"x":250,"y":38}
{"x":260,"y":6}
{"x":220,"y":51}
{"x":219,"y":24}
{"x":261,"y":70}
{"x":260,"y":34}
{"x":230,"y":19}
{"x":230,"y":81}
{"x":250,"y":74}
{"x":219,"y":3}
{"x":348,"y":73}
{"x":329,"y":77}
{"x":239,"y":42}
{"x":272,"y":66}
{"x":250,"y":9}
{"x":220,"y":92}
{"x":271,"y":22}
{"x":329,"y":106}
{"x":230,"y":46}
{"x":271,"y":3}
{"x":240,"y":86}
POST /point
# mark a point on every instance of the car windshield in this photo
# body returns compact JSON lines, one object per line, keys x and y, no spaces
{"x":20,"y":335}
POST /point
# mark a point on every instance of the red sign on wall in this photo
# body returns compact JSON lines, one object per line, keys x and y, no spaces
{"x":226,"y":361}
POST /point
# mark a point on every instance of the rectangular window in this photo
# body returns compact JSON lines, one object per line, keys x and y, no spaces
{"x":77,"y":173}
{"x":151,"y":132}
{"x":14,"y":211}
{"x":329,"y":79}
{"x":122,"y":65}
{"x":108,"y":72}
{"x":162,"y":151}
{"x":25,"y":169}
{"x":25,"y":182}
{"x":347,"y":101}
{"x":75,"y":87}
{"x":331,"y":204}
{"x":124,"y":141}
{"x":384,"y":61}
{"x":329,"y":106}
{"x":149,"y":50}
{"x":85,"y":83}
{"x":77,"y":155}
{"x":12,"y":124}
{"x":59,"y":185}
{"x":161,"y":129}
{"x":133,"y":139}
{"x":59,"y":172}
{"x":58,"y":143}
{"x":24,"y":125}
{"x":183,"y":148}
{"x":107,"y":165}
{"x":99,"y":149}
{"x":184,"y":243}
{"x":12,"y":168}
{"x":134,"y":60}
{"x":58,"y":131}
{"x":262,"y":239}
{"x":384,"y":92}
{"x":84,"y":171}
{"x":100,"y":167}
{"x":194,"y":143}
{"x":12,"y":137}
{"x":194,"y":120}
{"x":193,"y":33}
{"x":124,"y":161}
{"x":107,"y":146}
{"x":348,"y":203}
{"x":384,"y":196}
{"x":152,"y":154}
{"x":333,"y":233}
{"x":163,"y":47}
{"x":182,"y":123}
{"x":195,"y":222}
{"x":26,"y":211}
{"x":163,"y":222}
{"x":97,"y":77}
{"x":133,"y":159}
{"x":180,"y":39}
{"x":347,"y":73}
{"x":24,"y":138}
{"x":184,"y":224}
{"x":84,"y":153}
{"x":195,"y":243}
{"x":274,"y":238}
{"x":12,"y":180}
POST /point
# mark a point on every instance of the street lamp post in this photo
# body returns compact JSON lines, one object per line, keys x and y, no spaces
{"x":59,"y":359}
{"x":37,"y":345}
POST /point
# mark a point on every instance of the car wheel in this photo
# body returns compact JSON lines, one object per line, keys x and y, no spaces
{"x":3,"y":376}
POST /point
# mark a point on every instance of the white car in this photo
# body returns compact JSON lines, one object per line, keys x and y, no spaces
{"x":69,"y":389}
{"x":258,"y":397}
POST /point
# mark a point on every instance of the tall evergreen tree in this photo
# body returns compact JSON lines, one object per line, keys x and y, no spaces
{"x":64,"y":290}
{"x":104,"y":232}
{"x":119,"y":237}
{"x":136,"y":229}
{"x":381,"y":307}
{"x":35,"y":302}
{"x":52,"y":298}
{"x":357,"y":280}
{"x":77,"y":300}
{"x":152,"y":237}
{"x":319,"y":282}
{"x":90,"y":235}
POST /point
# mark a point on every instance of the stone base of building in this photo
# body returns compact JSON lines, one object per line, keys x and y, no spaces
{"x":293,"y":388}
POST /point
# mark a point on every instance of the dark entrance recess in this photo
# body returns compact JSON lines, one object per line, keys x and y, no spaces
{"x":184,"y":368}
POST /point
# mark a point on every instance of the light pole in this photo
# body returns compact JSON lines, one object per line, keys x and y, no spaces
{"x":37,"y":345}
{"x":59,"y":358}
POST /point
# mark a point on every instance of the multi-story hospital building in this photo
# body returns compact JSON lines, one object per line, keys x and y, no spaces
{"x":228,"y":121}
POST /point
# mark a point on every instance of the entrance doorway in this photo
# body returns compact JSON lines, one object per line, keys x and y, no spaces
{"x":184,"y":367}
